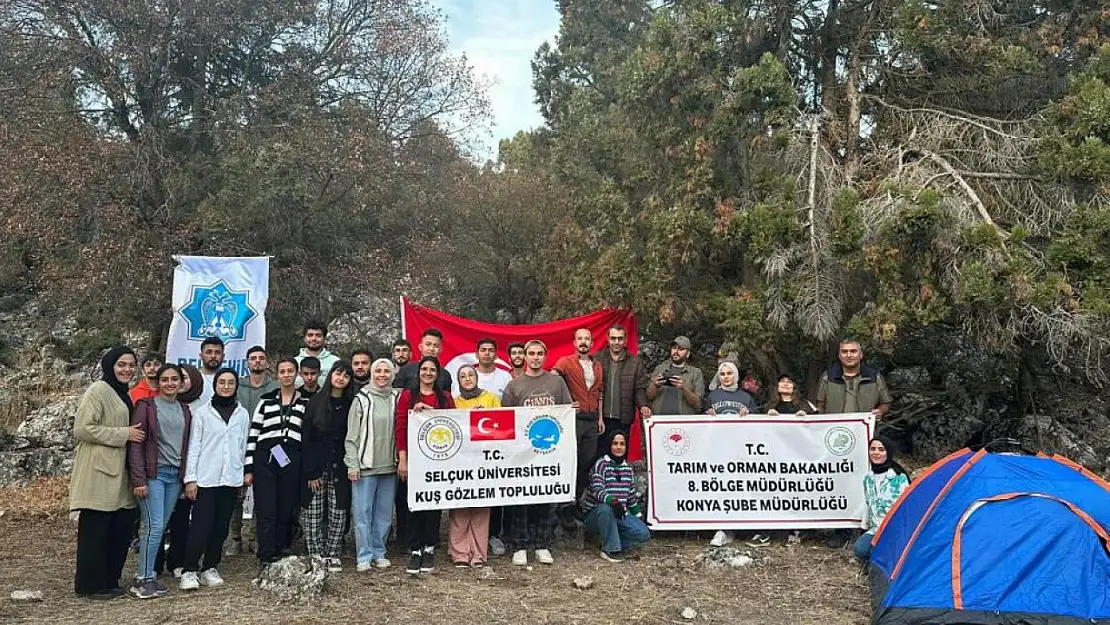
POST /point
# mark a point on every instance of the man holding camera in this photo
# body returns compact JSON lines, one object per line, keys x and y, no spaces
{"x":676,"y":387}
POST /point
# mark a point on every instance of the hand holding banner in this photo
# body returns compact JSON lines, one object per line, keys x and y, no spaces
{"x":491,"y":457}
{"x":758,"y":472}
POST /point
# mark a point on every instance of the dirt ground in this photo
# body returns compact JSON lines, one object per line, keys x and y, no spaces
{"x":789,"y":584}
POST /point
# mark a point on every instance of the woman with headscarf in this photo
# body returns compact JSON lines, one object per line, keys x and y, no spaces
{"x":327,"y":494}
{"x":172,"y":558}
{"x":422,"y":394}
{"x":371,"y":461}
{"x":612,"y":504}
{"x":213,"y":477}
{"x":99,"y":489}
{"x":728,"y":398}
{"x":881,"y":488}
{"x":468,"y":528}
{"x":156,"y":467}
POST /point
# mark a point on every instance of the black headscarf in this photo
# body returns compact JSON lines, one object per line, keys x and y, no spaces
{"x":196,"y":381}
{"x":890,"y":462}
{"x":108,"y":373}
{"x":224,"y":402}
{"x":618,"y":460}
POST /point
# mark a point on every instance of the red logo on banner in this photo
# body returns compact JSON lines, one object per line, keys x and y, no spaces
{"x":492,"y":425}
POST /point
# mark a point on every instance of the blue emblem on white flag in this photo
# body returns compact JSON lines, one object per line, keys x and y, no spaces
{"x":217,"y":311}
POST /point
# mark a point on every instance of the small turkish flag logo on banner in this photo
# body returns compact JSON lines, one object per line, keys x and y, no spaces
{"x":492,"y":425}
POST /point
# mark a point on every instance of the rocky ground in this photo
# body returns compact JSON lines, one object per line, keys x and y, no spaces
{"x":676,"y":577}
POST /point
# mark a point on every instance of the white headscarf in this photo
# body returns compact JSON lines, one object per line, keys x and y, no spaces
{"x":735,"y":376}
{"x":392,"y":375}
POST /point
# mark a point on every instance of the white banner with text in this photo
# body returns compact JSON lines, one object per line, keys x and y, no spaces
{"x":475,"y":458}
{"x":757,"y":472}
{"x":218,"y":297}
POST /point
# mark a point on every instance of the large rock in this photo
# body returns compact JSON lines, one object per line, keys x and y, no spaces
{"x":294,"y":579}
{"x":51,"y":425}
{"x":23,"y":466}
{"x":1051,"y":436}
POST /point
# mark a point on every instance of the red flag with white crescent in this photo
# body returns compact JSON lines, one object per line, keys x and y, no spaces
{"x":461,"y":336}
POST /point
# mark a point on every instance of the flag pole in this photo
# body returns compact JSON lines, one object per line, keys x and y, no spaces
{"x":404,"y":334}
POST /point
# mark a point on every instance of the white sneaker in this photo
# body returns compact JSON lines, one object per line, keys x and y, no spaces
{"x":178,"y":572}
{"x":520,"y":558}
{"x":721,"y":538}
{"x":382,"y":563}
{"x":497,"y":546}
{"x":189,"y":581}
{"x":334,"y":565}
{"x":210,"y":577}
{"x":362,"y":567}
{"x":544,"y":556}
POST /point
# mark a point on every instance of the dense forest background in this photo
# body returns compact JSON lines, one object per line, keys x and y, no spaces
{"x":771,"y":174}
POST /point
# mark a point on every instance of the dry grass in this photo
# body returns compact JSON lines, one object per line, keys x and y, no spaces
{"x":802,"y":584}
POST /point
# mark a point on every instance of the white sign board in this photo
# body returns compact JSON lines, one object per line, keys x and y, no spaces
{"x":757,"y":472}
{"x":221,"y":297}
{"x":491,"y":457}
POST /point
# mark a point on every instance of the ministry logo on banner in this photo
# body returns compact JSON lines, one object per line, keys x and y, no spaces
{"x":218,"y":297}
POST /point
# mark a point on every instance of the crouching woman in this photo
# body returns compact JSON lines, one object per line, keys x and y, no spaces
{"x":612,"y":505}
{"x":881,"y":488}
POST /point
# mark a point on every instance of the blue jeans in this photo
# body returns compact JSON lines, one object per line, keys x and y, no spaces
{"x":616,"y":534}
{"x":862,"y":547}
{"x":155,"y":510}
{"x":372,"y":509}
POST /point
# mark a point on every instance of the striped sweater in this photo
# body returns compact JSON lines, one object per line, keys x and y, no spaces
{"x":608,"y":481}
{"x":273,"y":423}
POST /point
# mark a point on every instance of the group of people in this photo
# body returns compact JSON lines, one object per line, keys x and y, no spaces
{"x":182,"y":443}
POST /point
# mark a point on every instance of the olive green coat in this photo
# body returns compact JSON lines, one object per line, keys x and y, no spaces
{"x":99,"y":480}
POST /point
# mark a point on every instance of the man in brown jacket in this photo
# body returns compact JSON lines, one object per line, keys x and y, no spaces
{"x":624,"y":395}
{"x":583,"y":375}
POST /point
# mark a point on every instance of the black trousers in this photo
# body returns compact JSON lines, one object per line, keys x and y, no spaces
{"x":533,"y":526}
{"x":401,"y":509}
{"x":423,"y":529}
{"x":103,"y":539}
{"x":277,"y":498}
{"x":585,"y":430}
{"x":211,"y":516}
{"x":178,"y":529}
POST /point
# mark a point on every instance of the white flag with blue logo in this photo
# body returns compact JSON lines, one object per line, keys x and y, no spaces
{"x":221,"y":297}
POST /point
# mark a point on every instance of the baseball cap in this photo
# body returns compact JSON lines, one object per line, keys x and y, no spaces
{"x":681,"y":341}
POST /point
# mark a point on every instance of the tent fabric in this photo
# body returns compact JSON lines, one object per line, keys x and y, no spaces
{"x":903,"y":518}
{"x":1005,"y":539}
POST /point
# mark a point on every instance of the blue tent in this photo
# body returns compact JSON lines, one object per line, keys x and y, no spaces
{"x":985,"y":538}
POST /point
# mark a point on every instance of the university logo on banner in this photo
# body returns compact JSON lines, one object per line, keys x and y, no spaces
{"x":218,"y":311}
{"x":218,"y":297}
{"x":491,"y":457}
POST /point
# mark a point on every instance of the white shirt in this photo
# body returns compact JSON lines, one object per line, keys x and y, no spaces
{"x":494,"y":382}
{"x":217,"y":449}
{"x":587,"y":371}
{"x":206,"y":392}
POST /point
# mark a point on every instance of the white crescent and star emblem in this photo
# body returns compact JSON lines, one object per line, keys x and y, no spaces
{"x":483,"y":428}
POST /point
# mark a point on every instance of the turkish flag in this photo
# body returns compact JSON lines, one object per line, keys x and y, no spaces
{"x":492,"y":425}
{"x":461,"y":336}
